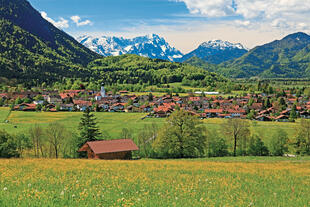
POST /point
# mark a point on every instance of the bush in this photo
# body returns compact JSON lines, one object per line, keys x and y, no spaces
{"x":257,"y":147}
{"x":8,"y":147}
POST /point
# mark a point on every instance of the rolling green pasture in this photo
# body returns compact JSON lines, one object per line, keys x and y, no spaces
{"x":226,"y":182}
{"x":113,"y":123}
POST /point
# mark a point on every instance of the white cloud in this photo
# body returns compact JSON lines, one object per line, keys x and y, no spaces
{"x":77,"y":20}
{"x":61,"y":24}
{"x":214,"y":8}
{"x":285,"y":14}
{"x":243,"y":23}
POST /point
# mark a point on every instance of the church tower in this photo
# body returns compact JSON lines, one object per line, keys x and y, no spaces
{"x":102,"y":91}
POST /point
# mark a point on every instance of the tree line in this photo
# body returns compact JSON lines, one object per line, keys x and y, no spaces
{"x":182,"y":136}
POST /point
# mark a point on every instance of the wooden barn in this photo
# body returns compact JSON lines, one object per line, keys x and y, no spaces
{"x":109,"y":149}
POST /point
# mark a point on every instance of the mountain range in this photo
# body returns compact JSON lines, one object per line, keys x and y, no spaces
{"x":151,"y":46}
{"x":154,"y":46}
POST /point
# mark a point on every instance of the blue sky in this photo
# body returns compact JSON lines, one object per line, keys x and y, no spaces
{"x":183,"y":23}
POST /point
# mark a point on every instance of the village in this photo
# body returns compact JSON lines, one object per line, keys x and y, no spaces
{"x":261,"y":107}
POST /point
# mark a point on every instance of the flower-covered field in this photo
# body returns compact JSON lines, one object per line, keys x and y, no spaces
{"x":206,"y":182}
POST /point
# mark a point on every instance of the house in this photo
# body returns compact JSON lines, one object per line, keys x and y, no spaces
{"x":162,"y":111}
{"x":210,"y":113}
{"x":109,"y":149}
{"x":117,"y":107}
{"x":66,"y":107}
{"x":236,"y":113}
{"x":54,"y":99}
{"x":25,"y":107}
{"x":282,"y":118}
{"x":82,"y":105}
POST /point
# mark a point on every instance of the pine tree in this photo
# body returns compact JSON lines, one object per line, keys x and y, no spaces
{"x":89,"y":130}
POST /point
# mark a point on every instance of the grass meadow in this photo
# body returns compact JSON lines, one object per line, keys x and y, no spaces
{"x":113,"y":123}
{"x":200,"y":182}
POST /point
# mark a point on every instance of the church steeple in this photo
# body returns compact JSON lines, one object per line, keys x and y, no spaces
{"x":102,"y":91}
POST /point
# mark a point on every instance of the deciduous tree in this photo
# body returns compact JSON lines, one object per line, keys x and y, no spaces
{"x":182,"y":136}
{"x":236,"y":129}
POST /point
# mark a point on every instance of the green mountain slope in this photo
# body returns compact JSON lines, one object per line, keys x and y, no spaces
{"x":195,"y":61}
{"x":286,"y":58}
{"x":33,"y":49}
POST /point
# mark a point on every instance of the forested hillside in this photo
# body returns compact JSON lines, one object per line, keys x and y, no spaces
{"x":135,"y":69}
{"x":32,"y":49}
{"x":286,"y":58}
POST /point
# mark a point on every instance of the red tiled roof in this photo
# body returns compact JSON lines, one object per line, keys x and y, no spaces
{"x":162,"y":108}
{"x":224,"y":115}
{"x":108,"y":146}
{"x":232,"y":111}
{"x":195,"y":98}
{"x":214,"y":111}
{"x":81,"y":102}
{"x":281,"y":116}
{"x":66,"y":95}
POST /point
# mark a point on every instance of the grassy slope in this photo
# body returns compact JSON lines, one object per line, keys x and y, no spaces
{"x":215,"y":182}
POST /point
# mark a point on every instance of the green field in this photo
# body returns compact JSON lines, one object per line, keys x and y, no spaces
{"x":4,"y":112}
{"x":113,"y":123}
{"x":200,"y":182}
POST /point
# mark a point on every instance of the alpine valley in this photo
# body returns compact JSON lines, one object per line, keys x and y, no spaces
{"x":32,"y":51}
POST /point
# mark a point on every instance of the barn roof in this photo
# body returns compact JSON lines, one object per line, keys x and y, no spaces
{"x":108,"y":146}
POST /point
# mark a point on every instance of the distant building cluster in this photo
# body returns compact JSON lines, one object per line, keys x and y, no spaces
{"x":252,"y":106}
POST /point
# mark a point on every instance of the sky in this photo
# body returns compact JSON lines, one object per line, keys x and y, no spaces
{"x":183,"y":23}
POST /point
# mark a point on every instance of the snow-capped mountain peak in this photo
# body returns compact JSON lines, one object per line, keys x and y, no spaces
{"x":152,"y":46}
{"x":222,"y":45}
{"x":216,"y":51}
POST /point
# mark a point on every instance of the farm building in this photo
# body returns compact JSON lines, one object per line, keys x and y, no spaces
{"x":109,"y":149}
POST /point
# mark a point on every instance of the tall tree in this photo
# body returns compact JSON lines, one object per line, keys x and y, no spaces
{"x":36,"y":135}
{"x":55,"y":133}
{"x":182,"y":136}
{"x":279,"y":143}
{"x":89,"y":130}
{"x":302,"y":143}
{"x":236,"y":129}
